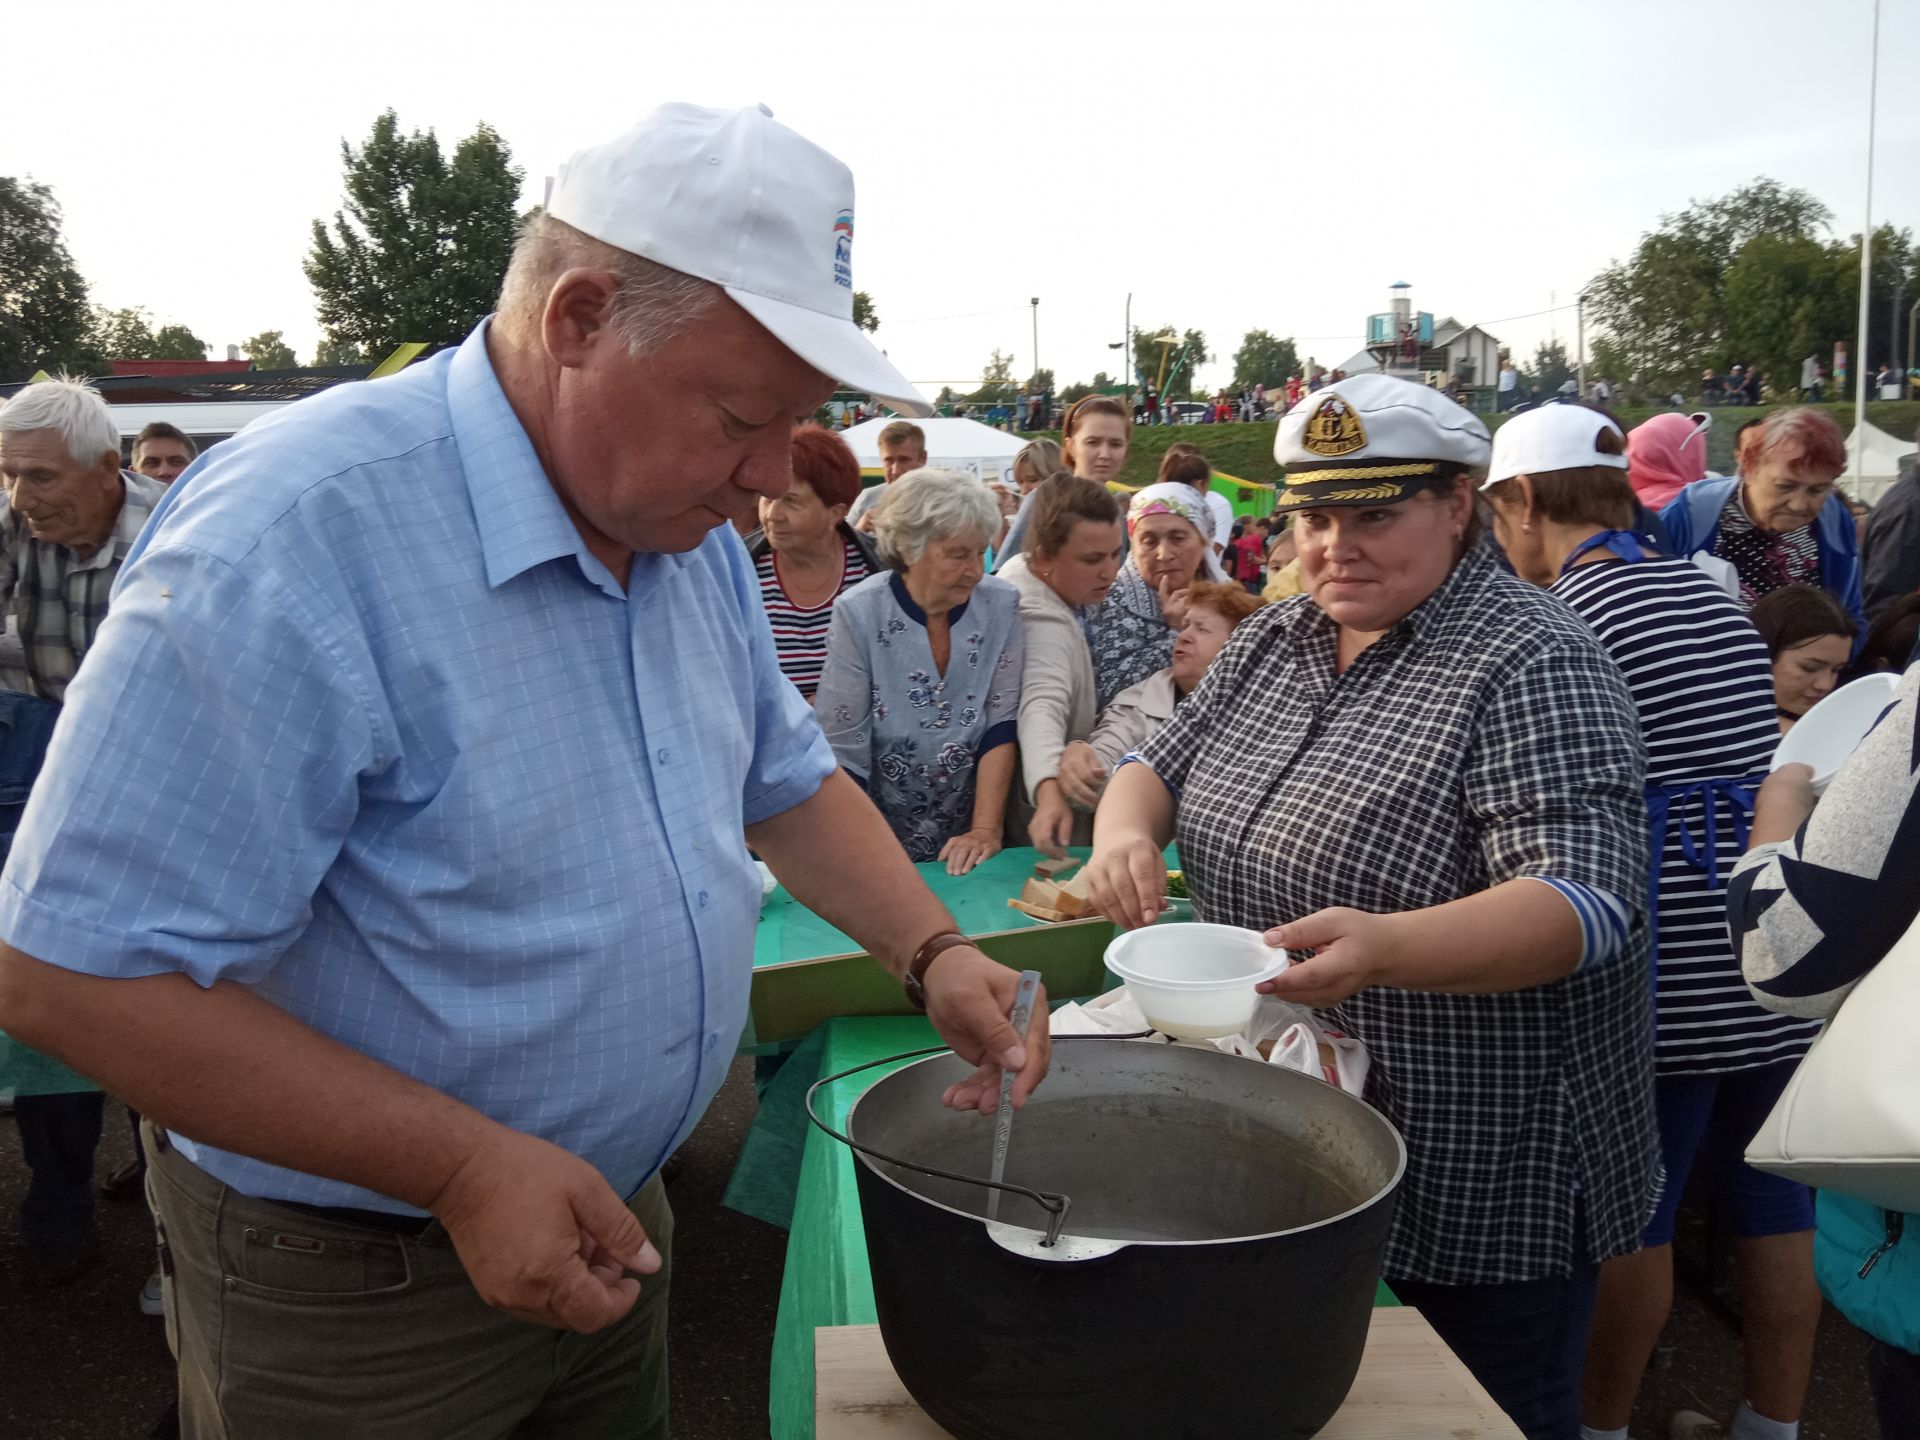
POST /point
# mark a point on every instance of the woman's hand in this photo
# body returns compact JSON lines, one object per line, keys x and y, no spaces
{"x":1352,"y":950}
{"x":1785,"y":801}
{"x":967,"y":850}
{"x":1173,"y":602}
{"x":1052,"y":825}
{"x":1081,"y":776}
{"x":1127,"y":879}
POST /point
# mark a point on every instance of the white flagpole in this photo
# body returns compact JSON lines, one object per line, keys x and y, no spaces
{"x":1866,"y":260}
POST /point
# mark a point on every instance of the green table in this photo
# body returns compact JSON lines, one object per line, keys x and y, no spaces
{"x":827,"y":1280}
{"x":806,"y":972}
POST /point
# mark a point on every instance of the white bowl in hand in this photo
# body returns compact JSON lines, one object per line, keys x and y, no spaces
{"x":1826,"y":735}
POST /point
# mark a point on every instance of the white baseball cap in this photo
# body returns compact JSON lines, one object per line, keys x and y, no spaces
{"x":1552,"y":437}
{"x":731,"y":197}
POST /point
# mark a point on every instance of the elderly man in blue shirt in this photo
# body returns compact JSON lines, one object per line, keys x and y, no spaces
{"x":390,"y":854}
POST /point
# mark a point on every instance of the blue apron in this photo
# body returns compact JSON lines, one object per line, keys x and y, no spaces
{"x":1728,"y":797}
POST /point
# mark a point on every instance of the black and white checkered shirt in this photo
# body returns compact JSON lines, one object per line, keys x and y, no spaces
{"x":1486,"y":737}
{"x":59,"y":599}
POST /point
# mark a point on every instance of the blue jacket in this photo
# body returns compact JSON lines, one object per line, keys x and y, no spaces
{"x":1885,"y":1302}
{"x":1693,"y":522}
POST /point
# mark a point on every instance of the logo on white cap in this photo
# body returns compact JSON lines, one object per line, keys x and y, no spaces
{"x":843,"y":249}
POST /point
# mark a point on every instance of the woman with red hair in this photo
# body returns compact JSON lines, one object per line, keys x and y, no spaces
{"x":1781,"y":521}
{"x":806,"y":554}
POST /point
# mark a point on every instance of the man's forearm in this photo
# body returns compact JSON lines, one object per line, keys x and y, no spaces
{"x":836,"y":856}
{"x":224,"y":1066}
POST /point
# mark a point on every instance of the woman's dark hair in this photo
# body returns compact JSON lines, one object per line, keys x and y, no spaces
{"x":1793,"y":615}
{"x":1184,"y":466}
{"x":1891,"y":638}
{"x":1063,"y":500}
{"x":824,"y":461}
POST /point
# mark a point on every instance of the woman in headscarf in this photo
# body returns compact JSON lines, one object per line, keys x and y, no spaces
{"x":1169,"y":546}
{"x":1782,"y":520}
{"x":1446,"y":813}
{"x":1665,"y":455}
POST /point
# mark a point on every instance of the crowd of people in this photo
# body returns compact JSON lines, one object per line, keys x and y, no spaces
{"x":330,"y":869}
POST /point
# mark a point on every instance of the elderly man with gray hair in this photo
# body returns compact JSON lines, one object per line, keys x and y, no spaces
{"x":69,"y":517}
{"x":392,"y":855}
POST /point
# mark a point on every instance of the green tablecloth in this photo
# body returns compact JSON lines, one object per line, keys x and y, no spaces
{"x":827,"y":1280}
{"x":806,"y":972}
{"x":25,"y":1071}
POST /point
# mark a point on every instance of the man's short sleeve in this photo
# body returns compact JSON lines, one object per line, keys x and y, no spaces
{"x":791,"y":758}
{"x":199,"y":785}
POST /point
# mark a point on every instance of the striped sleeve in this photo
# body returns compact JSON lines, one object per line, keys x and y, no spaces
{"x":1605,"y":920}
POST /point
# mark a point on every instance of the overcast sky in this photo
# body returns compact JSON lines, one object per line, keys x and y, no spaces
{"x":1272,"y":166}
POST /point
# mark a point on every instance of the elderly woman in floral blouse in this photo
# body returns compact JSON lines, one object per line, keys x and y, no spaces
{"x":921,"y":691}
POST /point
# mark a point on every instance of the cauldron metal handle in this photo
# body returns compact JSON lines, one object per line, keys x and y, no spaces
{"x":1055,"y":1204}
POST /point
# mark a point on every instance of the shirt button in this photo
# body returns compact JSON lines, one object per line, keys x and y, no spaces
{"x":664,"y":756}
{"x":702,"y":898}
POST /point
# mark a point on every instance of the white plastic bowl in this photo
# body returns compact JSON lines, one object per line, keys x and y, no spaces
{"x":1827,"y":734}
{"x":1195,"y":982}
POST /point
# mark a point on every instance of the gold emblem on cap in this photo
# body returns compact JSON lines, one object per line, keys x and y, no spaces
{"x":1367,"y":492}
{"x":1334,"y":429}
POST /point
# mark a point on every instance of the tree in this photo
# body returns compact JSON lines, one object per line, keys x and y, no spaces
{"x":177,"y":342}
{"x":338,"y":352}
{"x":44,"y":316}
{"x":1039,"y":383}
{"x":1550,"y":370}
{"x":996,"y":383}
{"x":1101,"y":384}
{"x":420,"y":249}
{"x":1666,"y":307}
{"x":1190,"y":352}
{"x":124,"y":334}
{"x":864,"y":315}
{"x":1264,"y":360}
{"x":269,"y":351}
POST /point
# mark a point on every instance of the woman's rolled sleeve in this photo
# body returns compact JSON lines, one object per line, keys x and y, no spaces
{"x":1556,"y":778}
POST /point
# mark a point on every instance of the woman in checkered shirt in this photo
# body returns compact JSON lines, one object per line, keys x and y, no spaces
{"x":1451,"y":827}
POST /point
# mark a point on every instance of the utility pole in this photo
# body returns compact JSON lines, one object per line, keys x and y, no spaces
{"x":1860,"y":360}
{"x":1035,"y":302}
{"x":1580,"y":340}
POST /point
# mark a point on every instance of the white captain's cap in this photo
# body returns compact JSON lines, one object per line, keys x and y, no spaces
{"x":731,"y":197}
{"x":1552,"y":437}
{"x":1373,"y":440}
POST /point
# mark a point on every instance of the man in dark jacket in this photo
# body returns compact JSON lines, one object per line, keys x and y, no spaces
{"x":1892,"y":550}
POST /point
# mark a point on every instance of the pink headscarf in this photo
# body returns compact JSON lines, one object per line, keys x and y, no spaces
{"x":1665,"y":454}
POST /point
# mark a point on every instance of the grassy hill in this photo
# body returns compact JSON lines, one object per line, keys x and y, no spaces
{"x":1247,"y":450}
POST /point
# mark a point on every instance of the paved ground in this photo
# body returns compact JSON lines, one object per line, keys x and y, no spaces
{"x":84,"y":1364}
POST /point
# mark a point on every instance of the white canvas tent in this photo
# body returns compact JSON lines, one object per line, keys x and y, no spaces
{"x":967,"y":445}
{"x":1881,"y":457}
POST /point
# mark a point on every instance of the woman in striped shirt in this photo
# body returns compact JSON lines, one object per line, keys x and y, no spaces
{"x":1702,"y":683}
{"x":806,"y":554}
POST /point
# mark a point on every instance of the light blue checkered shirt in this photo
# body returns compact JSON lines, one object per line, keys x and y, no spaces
{"x":369,"y":730}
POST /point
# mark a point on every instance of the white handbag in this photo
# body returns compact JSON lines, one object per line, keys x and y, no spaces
{"x":1849,"y":1119}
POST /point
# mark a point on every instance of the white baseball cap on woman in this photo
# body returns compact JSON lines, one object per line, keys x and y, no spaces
{"x":732,"y":197}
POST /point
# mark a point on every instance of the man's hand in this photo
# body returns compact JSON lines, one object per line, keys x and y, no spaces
{"x":970,"y":1002}
{"x":967,"y":850}
{"x":1052,"y":824}
{"x":1127,"y":879}
{"x":1081,"y":774}
{"x":542,"y":1235}
{"x":1352,"y":950}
